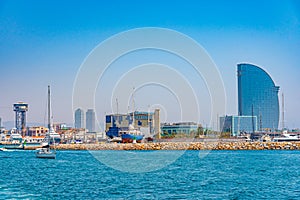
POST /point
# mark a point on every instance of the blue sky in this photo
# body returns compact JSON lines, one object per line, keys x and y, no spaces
{"x":45,"y":42}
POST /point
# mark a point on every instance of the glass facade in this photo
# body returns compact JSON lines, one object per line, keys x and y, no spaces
{"x":258,"y":96}
{"x":79,"y":118}
{"x":238,"y":125}
{"x":179,"y":128}
{"x":90,"y":120}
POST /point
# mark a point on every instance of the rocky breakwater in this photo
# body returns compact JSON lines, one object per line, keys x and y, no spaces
{"x":185,"y":146}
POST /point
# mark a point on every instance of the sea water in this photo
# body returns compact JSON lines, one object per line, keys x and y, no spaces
{"x":217,"y":175}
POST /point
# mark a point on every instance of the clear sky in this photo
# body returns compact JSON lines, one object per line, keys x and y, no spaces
{"x":45,"y":42}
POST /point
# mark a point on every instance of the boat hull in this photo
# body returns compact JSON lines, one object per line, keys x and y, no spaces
{"x":13,"y":146}
{"x":130,"y":138}
{"x":46,"y":156}
{"x":286,"y":140}
{"x":3,"y":149}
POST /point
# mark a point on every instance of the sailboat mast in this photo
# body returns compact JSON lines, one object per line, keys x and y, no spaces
{"x":49,"y":107}
{"x":133,"y":107}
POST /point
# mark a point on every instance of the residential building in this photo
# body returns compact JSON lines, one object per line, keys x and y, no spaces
{"x":79,"y":118}
{"x":36,"y":131}
{"x":90,"y":120}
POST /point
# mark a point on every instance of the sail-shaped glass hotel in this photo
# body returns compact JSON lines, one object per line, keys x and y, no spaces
{"x":258,"y":96}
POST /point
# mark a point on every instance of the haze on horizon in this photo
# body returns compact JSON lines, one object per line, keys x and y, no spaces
{"x":45,"y":42}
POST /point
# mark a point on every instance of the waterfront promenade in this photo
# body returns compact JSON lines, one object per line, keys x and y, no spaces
{"x":184,"y":146}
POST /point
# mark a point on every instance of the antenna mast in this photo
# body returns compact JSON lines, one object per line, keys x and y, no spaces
{"x":282,"y":112}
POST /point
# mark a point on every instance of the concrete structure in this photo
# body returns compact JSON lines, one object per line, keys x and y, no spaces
{"x":90,"y":120}
{"x":238,"y":124}
{"x":79,"y":118}
{"x":258,"y":96}
{"x":21,"y":108}
{"x":157,"y":128}
{"x":186,"y":128}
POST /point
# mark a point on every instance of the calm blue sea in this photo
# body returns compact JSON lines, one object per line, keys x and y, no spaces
{"x":219,"y":175}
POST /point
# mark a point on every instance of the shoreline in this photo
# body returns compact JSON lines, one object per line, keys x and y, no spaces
{"x":184,"y":146}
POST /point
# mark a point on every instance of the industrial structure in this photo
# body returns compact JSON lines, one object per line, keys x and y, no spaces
{"x":147,"y":122}
{"x":21,"y":108}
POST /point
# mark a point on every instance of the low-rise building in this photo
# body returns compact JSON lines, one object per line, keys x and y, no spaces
{"x":36,"y":131}
{"x":238,"y":125}
{"x":185,"y":128}
{"x":147,"y":122}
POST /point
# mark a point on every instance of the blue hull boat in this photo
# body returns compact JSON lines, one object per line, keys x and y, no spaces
{"x":130,"y":138}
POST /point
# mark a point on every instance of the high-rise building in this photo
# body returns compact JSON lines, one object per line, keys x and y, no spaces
{"x":90,"y":120}
{"x":258,"y":96}
{"x":79,"y":118}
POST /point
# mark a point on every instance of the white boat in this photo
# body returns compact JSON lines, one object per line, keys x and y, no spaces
{"x":3,"y":149}
{"x":14,"y":142}
{"x":46,"y":152}
{"x":287,"y":137}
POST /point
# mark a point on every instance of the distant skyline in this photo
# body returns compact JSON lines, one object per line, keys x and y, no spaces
{"x":45,"y":42}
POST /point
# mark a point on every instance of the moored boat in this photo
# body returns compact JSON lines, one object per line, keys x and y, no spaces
{"x":54,"y":138}
{"x":132,"y":135}
{"x":14,"y":142}
{"x":13,"y":146}
{"x":287,"y":137}
{"x":131,"y":138}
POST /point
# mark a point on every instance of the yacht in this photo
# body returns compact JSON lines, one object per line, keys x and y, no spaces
{"x":287,"y":137}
